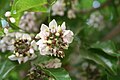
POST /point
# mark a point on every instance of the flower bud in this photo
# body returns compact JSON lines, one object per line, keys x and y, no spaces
{"x":8,"y":14}
{"x":12,"y":20}
{"x":57,"y":34}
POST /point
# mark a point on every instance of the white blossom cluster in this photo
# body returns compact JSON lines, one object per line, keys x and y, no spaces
{"x":30,"y":21}
{"x":23,"y":48}
{"x":54,"y":39}
{"x":20,"y":44}
{"x":96,"y":20}
{"x":59,"y":8}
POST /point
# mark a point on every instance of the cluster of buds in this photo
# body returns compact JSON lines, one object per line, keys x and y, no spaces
{"x":58,"y":8}
{"x":36,"y":74}
{"x":9,"y":17}
{"x":54,"y":39}
{"x":30,"y":21}
{"x":23,"y":48}
{"x":96,"y":20}
{"x":71,"y":14}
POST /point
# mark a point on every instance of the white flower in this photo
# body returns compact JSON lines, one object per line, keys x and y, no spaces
{"x":71,"y":14}
{"x":53,"y":26}
{"x":30,"y":21}
{"x":68,"y":36}
{"x":6,"y":42}
{"x":21,"y":59}
{"x":53,"y":63}
{"x":8,"y":14}
{"x":56,"y":41}
{"x":23,"y":48}
{"x":58,"y":8}
{"x":12,"y":20}
{"x":96,"y":20}
{"x":6,"y":31}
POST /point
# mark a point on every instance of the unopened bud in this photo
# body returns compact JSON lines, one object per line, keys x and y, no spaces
{"x":49,"y":41}
{"x":59,"y":29}
{"x":8,"y":14}
{"x":57,"y":34}
{"x":12,"y":20}
{"x":5,"y":30}
{"x":17,"y":54}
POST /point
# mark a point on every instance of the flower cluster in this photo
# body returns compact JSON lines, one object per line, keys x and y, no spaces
{"x":35,"y":73}
{"x":96,"y":20}
{"x":30,"y":21}
{"x":23,"y":48}
{"x":54,"y":39}
{"x":58,"y":8}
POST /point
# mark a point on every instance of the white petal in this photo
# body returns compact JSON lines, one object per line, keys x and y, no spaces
{"x":68,"y":36}
{"x":68,"y":33}
{"x":20,"y":60}
{"x":53,"y":25}
{"x":33,"y":57}
{"x":12,"y":57}
{"x":44,"y":50}
{"x":40,"y":42}
{"x":5,"y":30}
{"x":68,"y":39}
{"x":44,"y":28}
{"x":59,"y":29}
{"x":63,"y":26}
{"x":44,"y":35}
{"x":25,"y":59}
{"x":26,"y":36}
{"x":31,"y":50}
{"x":34,"y":45}
{"x":18,"y":35}
{"x":37,"y":36}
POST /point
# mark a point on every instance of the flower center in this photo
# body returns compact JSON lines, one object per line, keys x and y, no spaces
{"x":56,"y":44}
{"x":22,"y":47}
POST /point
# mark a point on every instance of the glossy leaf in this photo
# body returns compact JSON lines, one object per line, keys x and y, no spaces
{"x":22,"y":5}
{"x":58,"y":74}
{"x":38,"y":9}
{"x":108,"y":47}
{"x":100,"y":60}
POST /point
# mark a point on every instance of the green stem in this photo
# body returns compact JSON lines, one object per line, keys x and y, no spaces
{"x":49,"y":12}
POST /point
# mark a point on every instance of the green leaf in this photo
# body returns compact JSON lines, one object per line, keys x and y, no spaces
{"x":51,"y":2}
{"x":6,"y":67}
{"x":58,"y":74}
{"x":108,"y":47}
{"x":1,"y":32}
{"x":19,"y":6}
{"x":39,"y":9}
{"x":100,"y":60}
{"x":4,"y":6}
{"x":22,"y":5}
{"x":17,"y":16}
{"x":114,"y":77}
